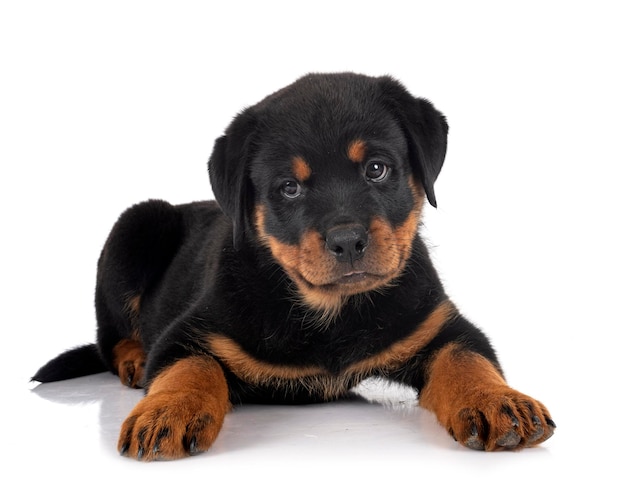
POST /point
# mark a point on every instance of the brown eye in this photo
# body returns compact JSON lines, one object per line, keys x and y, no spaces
{"x":291,"y":189}
{"x":376,"y":171}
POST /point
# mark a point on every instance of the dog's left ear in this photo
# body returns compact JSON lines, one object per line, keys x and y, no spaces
{"x":229,"y":173}
{"x":426,"y":130}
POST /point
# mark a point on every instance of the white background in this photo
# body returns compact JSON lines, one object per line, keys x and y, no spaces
{"x":104,"y":104}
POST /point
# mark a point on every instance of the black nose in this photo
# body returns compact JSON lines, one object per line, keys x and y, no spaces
{"x":347,"y":242}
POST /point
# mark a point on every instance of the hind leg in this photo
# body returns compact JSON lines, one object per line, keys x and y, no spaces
{"x":139,"y":249}
{"x":121,"y":346}
{"x":129,"y":357}
{"x":129,"y":360}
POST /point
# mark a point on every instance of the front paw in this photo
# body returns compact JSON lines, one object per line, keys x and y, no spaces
{"x":169,"y":425}
{"x":500,"y":418}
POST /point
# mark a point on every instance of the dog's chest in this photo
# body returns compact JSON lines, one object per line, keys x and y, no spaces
{"x":324,"y":367}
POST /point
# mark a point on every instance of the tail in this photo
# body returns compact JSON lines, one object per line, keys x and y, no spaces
{"x":77,"y":362}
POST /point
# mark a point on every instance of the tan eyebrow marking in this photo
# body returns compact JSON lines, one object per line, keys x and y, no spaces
{"x":301,"y":169}
{"x":356,"y":150}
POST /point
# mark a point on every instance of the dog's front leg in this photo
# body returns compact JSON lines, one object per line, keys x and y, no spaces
{"x":472,"y":400}
{"x":181,"y":414}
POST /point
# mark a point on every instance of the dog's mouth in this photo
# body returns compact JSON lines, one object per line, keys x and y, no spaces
{"x":353,"y":277}
{"x":328,"y":295}
{"x":350,"y":282}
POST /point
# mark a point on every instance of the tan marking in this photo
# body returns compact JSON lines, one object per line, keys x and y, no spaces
{"x":356,"y":151}
{"x":456,"y":381}
{"x":309,"y":256}
{"x":197,"y":373}
{"x":133,"y":305}
{"x":314,"y":269}
{"x":129,"y":360}
{"x":419,"y":196}
{"x":318,"y":380}
{"x":396,"y":242}
{"x":401,"y":351}
{"x":301,"y":169}
{"x":313,"y":379}
{"x":456,"y":374}
{"x":252,"y":370}
{"x":326,"y":303}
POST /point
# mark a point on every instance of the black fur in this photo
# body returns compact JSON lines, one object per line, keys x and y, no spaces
{"x":78,"y":362}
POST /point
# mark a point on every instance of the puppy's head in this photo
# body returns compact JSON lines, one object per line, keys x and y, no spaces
{"x":330,"y":173}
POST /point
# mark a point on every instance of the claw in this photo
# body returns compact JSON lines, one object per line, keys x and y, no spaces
{"x":128,"y":368}
{"x":538,"y":430}
{"x":124,"y":449}
{"x":474,"y":442}
{"x":451,"y":432}
{"x":193,"y":446}
{"x":510,"y":440}
{"x":551,"y":427}
{"x":163,"y":433}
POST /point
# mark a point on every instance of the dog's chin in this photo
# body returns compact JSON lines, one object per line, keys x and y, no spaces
{"x":328,"y":298}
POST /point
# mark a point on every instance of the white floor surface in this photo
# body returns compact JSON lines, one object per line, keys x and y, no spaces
{"x":64,"y":436}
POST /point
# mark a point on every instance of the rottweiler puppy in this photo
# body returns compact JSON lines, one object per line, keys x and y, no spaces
{"x":305,"y":277}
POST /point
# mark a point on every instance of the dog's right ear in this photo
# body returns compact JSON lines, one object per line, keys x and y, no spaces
{"x":229,"y":173}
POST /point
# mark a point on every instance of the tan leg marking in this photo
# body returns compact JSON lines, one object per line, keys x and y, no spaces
{"x":129,"y":360}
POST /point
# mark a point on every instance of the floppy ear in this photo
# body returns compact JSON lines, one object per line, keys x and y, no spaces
{"x":426,"y":130}
{"x":228,"y":172}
